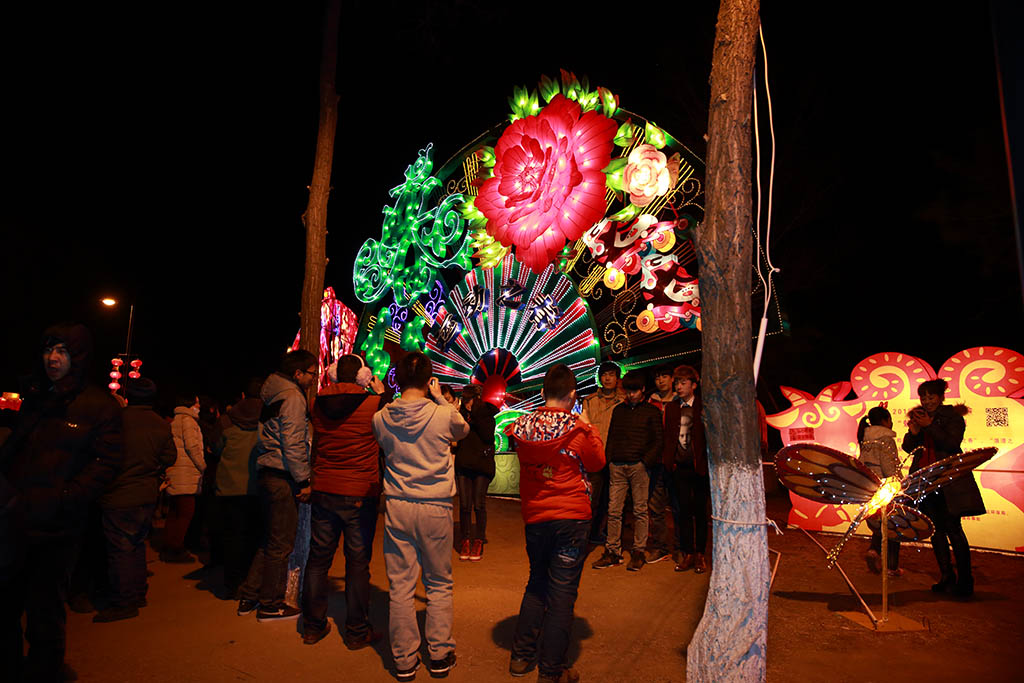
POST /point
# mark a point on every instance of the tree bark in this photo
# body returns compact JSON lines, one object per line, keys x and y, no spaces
{"x":729,"y":644}
{"x":315,"y":216}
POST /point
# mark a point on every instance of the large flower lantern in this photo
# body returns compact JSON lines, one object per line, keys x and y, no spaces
{"x":548,"y":185}
{"x":560,"y":235}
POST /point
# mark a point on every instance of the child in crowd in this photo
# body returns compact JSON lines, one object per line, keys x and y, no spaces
{"x":556,"y":451}
{"x":878,"y":451}
{"x":474,"y":469}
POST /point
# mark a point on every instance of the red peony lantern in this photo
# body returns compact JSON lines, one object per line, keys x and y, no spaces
{"x":548,"y":185}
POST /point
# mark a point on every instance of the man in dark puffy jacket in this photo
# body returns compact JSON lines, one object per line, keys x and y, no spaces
{"x":346,"y":491}
{"x":283,"y":459}
{"x":556,"y":451}
{"x":64,"y":451}
{"x":937,"y":430}
{"x":130,"y":499}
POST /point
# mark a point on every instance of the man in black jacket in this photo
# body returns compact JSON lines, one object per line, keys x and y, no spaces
{"x":634,"y":445}
{"x":130,"y":499}
{"x":64,"y":451}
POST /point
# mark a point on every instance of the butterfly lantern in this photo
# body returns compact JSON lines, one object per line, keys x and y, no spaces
{"x":825,"y":475}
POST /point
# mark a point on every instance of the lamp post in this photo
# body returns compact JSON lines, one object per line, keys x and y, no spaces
{"x":110,"y":303}
{"x":136,"y":364}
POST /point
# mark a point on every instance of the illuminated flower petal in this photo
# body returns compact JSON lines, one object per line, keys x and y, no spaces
{"x":647,"y":175}
{"x":547,"y":186}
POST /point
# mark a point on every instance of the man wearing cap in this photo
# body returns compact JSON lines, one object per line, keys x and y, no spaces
{"x":61,"y":455}
{"x":130,"y":499}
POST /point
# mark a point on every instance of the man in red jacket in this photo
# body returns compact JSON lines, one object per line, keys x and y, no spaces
{"x":556,"y":451}
{"x":346,"y":489}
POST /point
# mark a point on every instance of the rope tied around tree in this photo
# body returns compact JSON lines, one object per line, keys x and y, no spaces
{"x":768,"y":522}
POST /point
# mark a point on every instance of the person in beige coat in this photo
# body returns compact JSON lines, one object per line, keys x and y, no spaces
{"x":184,"y":477}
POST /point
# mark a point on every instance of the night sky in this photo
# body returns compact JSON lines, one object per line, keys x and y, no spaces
{"x":162,"y":157}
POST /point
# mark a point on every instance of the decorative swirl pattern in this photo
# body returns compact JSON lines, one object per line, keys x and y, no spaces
{"x":831,"y":415}
{"x":985,"y":371}
{"x":415,"y":241}
{"x":887,"y":375}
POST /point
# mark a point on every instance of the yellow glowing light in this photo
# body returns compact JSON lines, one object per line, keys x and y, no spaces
{"x":885,"y":493}
{"x":108,"y":302}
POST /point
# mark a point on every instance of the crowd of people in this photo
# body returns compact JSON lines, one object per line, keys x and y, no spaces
{"x":245,"y":474}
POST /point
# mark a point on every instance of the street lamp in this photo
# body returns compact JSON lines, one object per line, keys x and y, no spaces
{"x":110,"y":303}
{"x":115,"y":374}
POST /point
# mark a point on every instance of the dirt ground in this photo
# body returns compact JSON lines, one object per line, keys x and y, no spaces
{"x":630,"y":626}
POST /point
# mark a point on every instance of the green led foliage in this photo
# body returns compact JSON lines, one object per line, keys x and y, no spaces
{"x":526,"y":103}
{"x":377,"y":358}
{"x":412,"y":335}
{"x":415,"y":241}
{"x":655,"y":136}
{"x":624,"y":135}
{"x":523,"y":104}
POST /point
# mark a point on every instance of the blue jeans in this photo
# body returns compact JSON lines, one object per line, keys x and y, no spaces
{"x":556,"y":550}
{"x":332,"y":517}
{"x":126,"y":530}
{"x":268,"y":573}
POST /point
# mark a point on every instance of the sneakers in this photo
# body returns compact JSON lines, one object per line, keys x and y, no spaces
{"x":247,"y":607}
{"x":115,"y":614}
{"x":312,"y":637}
{"x":520,"y":667}
{"x":464,"y":548}
{"x":700,"y":565}
{"x":896,"y":573}
{"x":476,"y":550}
{"x":439,"y":668}
{"x":636,"y":561}
{"x":607,"y":560}
{"x":277,"y":613}
{"x":407,"y":674}
{"x":656,"y":555}
{"x":365,"y":640}
{"x":567,"y":676}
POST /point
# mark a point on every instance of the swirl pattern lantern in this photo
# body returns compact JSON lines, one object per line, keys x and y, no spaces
{"x":548,"y":185}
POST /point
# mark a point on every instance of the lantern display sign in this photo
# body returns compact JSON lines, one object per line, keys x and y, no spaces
{"x":988,"y":380}
{"x":562,"y":234}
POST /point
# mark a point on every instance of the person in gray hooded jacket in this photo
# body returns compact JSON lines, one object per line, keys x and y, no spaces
{"x":419,"y":481}
{"x":283,"y":460}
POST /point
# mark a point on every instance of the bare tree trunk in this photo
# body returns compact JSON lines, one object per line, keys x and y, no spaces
{"x":315,"y":216}
{"x":315,"y":220}
{"x":729,"y":644}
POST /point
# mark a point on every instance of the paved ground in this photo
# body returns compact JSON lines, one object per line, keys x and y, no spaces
{"x":629,"y":626}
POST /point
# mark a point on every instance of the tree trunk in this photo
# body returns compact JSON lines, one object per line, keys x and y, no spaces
{"x":729,"y":644}
{"x":315,"y":216}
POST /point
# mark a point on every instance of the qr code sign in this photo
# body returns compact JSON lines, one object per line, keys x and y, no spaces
{"x":997,"y":417}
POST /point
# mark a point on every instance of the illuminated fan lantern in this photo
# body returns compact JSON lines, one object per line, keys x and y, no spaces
{"x":135,"y":373}
{"x":562,"y":234}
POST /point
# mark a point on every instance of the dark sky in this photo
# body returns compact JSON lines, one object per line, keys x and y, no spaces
{"x":162,"y":156}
